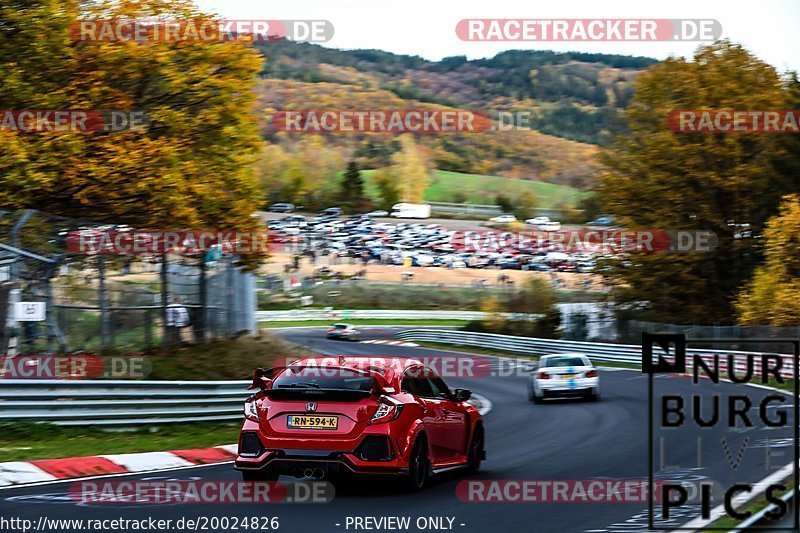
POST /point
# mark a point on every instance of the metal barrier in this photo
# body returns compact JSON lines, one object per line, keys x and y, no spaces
{"x":344,"y":314}
{"x":119,"y":403}
{"x":616,"y":353}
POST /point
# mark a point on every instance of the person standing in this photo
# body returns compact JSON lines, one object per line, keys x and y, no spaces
{"x":177,"y":319}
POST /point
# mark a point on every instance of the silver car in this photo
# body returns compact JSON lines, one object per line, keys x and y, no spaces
{"x":343,"y":331}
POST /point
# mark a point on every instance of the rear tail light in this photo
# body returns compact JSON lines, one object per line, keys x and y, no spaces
{"x":385,"y":413}
{"x":591,"y":374}
{"x":331,"y":329}
{"x":544,"y":375}
{"x":251,"y":410}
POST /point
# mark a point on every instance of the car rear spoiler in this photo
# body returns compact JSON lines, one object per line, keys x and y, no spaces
{"x":262,"y":377}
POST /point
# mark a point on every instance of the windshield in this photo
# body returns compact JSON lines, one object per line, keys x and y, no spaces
{"x":315,"y":377}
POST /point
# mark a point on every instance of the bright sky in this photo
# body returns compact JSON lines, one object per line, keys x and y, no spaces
{"x":768,"y":28}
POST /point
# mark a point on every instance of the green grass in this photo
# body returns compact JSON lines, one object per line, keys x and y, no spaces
{"x":363,"y":322}
{"x":482,"y":189}
{"x":28,"y":441}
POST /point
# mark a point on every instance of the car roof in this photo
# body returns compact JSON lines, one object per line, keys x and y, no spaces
{"x":560,"y":355}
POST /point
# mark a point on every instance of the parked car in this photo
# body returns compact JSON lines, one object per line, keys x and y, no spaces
{"x":503,"y":219}
{"x":343,"y":331}
{"x":391,"y":416}
{"x":563,"y":375}
{"x":543,"y":224}
{"x":281,"y":207}
{"x":331,"y":212}
{"x":601,"y":221}
{"x":378,"y":213}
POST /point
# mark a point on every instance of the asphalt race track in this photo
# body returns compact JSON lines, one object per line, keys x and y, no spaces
{"x":561,"y":440}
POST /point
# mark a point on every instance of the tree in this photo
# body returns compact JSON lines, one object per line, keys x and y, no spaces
{"x":411,"y":169}
{"x":387,"y":187}
{"x":191,"y":166}
{"x":772,"y":297}
{"x":352,"y":187}
{"x":656,"y":178}
{"x":525,"y":205}
{"x":504,"y":203}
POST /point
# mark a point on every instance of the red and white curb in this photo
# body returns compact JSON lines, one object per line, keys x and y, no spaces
{"x":24,"y":472}
{"x":391,"y":343}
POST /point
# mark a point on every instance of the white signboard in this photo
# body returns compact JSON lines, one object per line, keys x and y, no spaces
{"x":29,"y":311}
{"x":5,"y":273}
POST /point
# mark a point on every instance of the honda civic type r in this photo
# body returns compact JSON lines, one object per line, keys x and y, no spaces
{"x":561,"y":375}
{"x":359,"y":416}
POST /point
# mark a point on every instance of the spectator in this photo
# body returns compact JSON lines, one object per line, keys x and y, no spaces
{"x":177,"y":318}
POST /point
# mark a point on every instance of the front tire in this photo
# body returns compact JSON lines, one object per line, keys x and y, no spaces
{"x":475,"y":453}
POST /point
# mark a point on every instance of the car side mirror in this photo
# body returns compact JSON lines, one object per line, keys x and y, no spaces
{"x":462,"y":395}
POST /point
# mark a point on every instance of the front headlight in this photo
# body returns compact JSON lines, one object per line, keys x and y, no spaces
{"x":251,"y":410}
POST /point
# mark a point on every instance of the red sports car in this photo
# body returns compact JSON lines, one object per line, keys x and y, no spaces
{"x":358,"y":416}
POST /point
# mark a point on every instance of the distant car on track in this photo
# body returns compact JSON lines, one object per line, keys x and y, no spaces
{"x":564,"y":375}
{"x":360,"y":415}
{"x":343,"y":331}
{"x":378,"y":213}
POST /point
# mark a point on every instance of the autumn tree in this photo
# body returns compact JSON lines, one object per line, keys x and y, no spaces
{"x":411,"y":169}
{"x":660,"y":179}
{"x":352,"y":187}
{"x":190,"y":166}
{"x":772,"y":297}
{"x":387,"y":186}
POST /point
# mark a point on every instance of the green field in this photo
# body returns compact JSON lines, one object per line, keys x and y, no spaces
{"x":481,"y":189}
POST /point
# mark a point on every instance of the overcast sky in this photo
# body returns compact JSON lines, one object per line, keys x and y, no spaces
{"x":769,"y":28}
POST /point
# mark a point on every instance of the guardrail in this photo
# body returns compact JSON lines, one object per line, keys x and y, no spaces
{"x":603,"y":352}
{"x":119,"y":402}
{"x":344,"y":314}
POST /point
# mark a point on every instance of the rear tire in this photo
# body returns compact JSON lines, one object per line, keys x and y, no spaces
{"x":418,"y":465}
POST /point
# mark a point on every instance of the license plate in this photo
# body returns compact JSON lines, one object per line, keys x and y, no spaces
{"x":567,"y":376}
{"x":313,"y":422}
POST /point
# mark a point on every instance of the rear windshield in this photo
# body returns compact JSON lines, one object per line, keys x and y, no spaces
{"x":564,"y":361}
{"x":323,"y":378}
{"x":340,"y":326}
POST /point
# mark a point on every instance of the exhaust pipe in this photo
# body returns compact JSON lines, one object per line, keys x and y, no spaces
{"x":319,"y":473}
{"x":297,"y":472}
{"x":308,"y":472}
